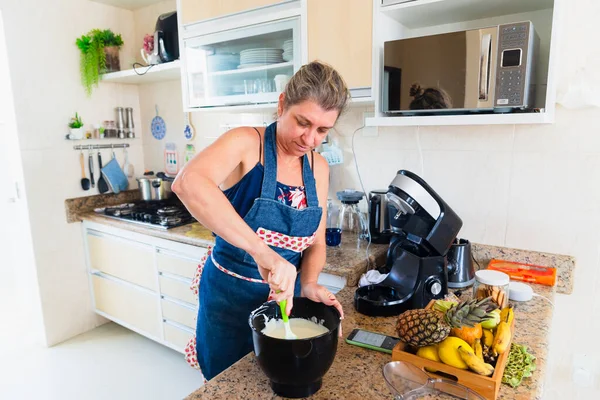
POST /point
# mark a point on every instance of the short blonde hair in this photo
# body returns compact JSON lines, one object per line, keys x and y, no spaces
{"x":318,"y":82}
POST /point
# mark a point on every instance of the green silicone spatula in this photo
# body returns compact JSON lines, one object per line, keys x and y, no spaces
{"x":286,"y":321}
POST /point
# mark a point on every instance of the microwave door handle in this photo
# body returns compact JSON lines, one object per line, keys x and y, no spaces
{"x":484,"y":66}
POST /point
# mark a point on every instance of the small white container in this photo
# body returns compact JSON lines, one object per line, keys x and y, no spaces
{"x":492,"y":283}
{"x":280,"y":82}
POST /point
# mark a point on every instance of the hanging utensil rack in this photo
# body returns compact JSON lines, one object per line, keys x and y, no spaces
{"x":100,"y":146}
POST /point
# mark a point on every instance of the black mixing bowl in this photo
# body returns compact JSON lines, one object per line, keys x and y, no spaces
{"x":295,"y":367}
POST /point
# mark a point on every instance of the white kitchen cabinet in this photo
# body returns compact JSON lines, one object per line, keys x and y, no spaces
{"x":177,"y":264}
{"x":238,"y":66}
{"x":179,"y":312}
{"x":393,"y":20}
{"x":176,"y":336}
{"x":125,"y":259}
{"x":199,"y":10}
{"x":177,"y":288}
{"x":134,"y":307}
{"x":143,"y":282}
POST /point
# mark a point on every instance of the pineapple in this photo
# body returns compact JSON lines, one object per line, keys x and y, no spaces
{"x":424,"y":327}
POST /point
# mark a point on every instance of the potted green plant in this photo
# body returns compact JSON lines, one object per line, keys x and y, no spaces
{"x":76,"y":125}
{"x":99,"y":54}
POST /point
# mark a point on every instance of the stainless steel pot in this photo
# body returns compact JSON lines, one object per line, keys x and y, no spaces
{"x":154,"y":188}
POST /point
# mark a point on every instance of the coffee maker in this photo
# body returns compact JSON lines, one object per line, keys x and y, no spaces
{"x":379,"y":222}
{"x":423,"y":227}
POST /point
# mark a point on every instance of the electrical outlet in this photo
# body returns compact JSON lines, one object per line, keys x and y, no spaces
{"x":371,"y":131}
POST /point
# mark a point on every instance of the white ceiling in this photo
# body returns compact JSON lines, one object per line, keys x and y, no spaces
{"x":128,"y":4}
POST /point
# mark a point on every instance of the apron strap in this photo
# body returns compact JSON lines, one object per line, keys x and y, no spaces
{"x":310,"y":185}
{"x":269,"y":183}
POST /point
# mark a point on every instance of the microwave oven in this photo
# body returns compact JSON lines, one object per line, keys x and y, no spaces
{"x":481,"y":70}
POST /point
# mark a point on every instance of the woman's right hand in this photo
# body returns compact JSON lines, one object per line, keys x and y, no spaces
{"x":279,"y":273}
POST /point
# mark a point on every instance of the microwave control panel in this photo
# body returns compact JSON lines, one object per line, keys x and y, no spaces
{"x":512,"y":80}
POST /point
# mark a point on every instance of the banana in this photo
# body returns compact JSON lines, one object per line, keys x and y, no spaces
{"x":478,"y":349}
{"x":502,"y":338}
{"x":507,"y":314}
{"x":475,"y":363}
{"x":488,"y":337}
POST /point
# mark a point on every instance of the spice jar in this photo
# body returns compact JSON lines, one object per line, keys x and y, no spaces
{"x":492,"y":284}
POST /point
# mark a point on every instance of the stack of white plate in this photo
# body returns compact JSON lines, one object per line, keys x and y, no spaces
{"x":222,"y":62}
{"x":258,"y":57}
{"x":288,"y":50}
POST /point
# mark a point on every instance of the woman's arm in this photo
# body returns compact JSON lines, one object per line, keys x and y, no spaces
{"x":313,"y":258}
{"x":197,"y":186}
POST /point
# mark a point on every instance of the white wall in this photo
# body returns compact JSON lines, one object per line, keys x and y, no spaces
{"x":44,"y":65}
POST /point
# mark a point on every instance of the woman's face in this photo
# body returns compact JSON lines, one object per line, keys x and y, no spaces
{"x":303,"y":126}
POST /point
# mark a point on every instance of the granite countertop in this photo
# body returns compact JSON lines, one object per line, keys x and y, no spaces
{"x":357,"y":373}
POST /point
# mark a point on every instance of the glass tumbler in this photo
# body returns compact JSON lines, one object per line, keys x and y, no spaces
{"x":333,"y":230}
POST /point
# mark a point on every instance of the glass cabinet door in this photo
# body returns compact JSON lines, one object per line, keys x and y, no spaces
{"x":242,"y":66}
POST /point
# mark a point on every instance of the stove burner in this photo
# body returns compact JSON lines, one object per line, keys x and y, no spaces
{"x":171,"y":210}
{"x":169,"y":221}
{"x":161,"y":214}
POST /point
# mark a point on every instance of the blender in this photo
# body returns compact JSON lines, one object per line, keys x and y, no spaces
{"x":351,"y":219}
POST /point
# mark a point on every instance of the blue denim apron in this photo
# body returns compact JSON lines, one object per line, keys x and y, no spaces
{"x":231,"y":286}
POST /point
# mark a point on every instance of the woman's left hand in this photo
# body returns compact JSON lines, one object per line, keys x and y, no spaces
{"x":320,"y":294}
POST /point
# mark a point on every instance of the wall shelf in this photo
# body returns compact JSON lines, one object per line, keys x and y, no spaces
{"x":422,"y":13}
{"x":158,"y":73}
{"x":470,"y":119}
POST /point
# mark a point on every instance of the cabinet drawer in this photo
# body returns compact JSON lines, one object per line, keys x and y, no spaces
{"x":178,"y":313}
{"x":128,"y":304}
{"x":178,"y":289}
{"x":177,"y":337}
{"x":133,"y":262}
{"x":176,"y":265}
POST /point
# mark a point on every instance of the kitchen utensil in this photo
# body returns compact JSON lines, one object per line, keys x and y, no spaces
{"x":152,"y":188}
{"x":295,"y":368}
{"x":461,"y":272}
{"x":167,"y":181}
{"x":189,"y":131}
{"x":286,"y":321}
{"x":91,"y":165}
{"x":127,"y":167}
{"x":352,"y":220}
{"x":332,"y":153}
{"x":407,"y":382}
{"x":120,"y":123}
{"x":379,"y":221}
{"x":85,"y":182}
{"x":158,"y":126}
{"x":129,"y":126}
{"x":102,"y":185}
{"x":333,"y":232}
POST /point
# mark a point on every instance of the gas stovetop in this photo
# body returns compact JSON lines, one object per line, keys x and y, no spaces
{"x":155,"y":214}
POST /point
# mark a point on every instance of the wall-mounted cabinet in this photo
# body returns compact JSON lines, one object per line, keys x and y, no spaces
{"x":231,"y":60}
{"x":241,"y":66}
{"x":340,"y":34}
{"x":199,"y":10}
{"x":395,"y":20}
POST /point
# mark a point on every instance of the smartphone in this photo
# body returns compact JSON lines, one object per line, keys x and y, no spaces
{"x":372,"y":340}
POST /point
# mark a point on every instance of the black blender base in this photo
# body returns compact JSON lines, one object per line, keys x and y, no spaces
{"x":296,"y":391}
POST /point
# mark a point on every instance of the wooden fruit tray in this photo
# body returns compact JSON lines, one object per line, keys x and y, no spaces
{"x":487,"y":386}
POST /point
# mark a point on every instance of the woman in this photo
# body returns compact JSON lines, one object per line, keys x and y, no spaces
{"x":269,"y":220}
